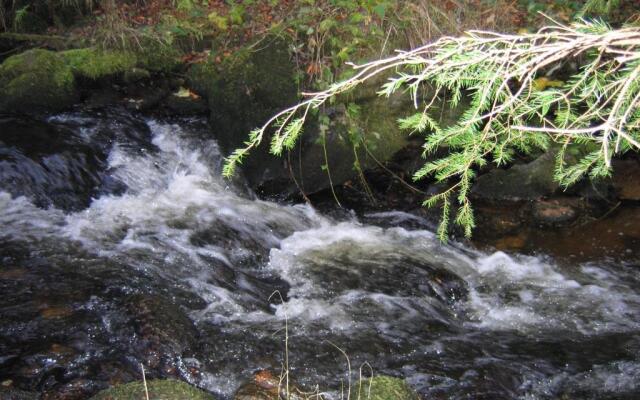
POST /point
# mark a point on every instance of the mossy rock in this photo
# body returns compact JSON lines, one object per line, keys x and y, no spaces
{"x":95,"y":64}
{"x":386,"y":388}
{"x":160,"y":389}
{"x":242,"y":92}
{"x":36,"y":80}
{"x":158,"y":57}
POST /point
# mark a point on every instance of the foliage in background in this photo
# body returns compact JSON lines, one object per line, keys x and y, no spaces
{"x":514,"y":107}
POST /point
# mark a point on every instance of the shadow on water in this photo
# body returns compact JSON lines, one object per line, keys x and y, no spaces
{"x":121,"y":245}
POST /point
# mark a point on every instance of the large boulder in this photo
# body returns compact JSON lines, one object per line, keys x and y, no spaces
{"x":356,"y":132}
{"x":243,"y":91}
{"x":36,"y":80}
{"x":158,"y":390}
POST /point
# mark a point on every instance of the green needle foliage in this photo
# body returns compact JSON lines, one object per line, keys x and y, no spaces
{"x":514,"y":105}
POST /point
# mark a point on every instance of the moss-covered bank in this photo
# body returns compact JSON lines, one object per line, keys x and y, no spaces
{"x":158,"y":390}
{"x":41,"y":80}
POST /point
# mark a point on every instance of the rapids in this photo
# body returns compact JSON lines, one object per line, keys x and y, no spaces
{"x":121,"y":244}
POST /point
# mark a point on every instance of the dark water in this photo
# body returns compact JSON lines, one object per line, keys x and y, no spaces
{"x":120,"y":245}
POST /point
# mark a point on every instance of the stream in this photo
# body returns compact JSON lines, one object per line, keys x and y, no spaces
{"x":121,"y":244}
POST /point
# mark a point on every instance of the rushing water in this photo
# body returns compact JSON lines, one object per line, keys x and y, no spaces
{"x":121,"y":244}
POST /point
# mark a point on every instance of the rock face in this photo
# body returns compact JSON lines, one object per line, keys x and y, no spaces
{"x":386,"y":388}
{"x":158,"y":390}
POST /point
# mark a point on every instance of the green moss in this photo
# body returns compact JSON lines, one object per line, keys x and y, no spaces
{"x":36,"y":79}
{"x":386,"y":388}
{"x":158,"y":57}
{"x":246,"y":89}
{"x":158,"y":390}
{"x":94,"y":64}
{"x":201,"y":77}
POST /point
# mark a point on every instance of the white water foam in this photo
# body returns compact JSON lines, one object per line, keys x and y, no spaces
{"x":177,"y":190}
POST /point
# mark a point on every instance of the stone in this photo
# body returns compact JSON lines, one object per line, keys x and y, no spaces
{"x":158,"y":390}
{"x":243,"y":92}
{"x":554,"y":212}
{"x":528,"y":181}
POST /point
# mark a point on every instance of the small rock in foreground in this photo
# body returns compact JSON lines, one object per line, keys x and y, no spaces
{"x":160,"y":389}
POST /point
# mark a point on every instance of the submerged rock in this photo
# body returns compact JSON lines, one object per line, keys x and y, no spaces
{"x":157,"y":389}
{"x":386,"y":388}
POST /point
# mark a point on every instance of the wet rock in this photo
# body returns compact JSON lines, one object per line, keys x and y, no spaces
{"x":157,"y":389}
{"x":162,"y":325}
{"x":498,"y":220}
{"x":511,"y":243}
{"x":554,"y":212}
{"x":53,"y":164}
{"x":386,"y":388}
{"x":528,"y":181}
{"x":75,"y":389}
{"x":391,"y":275}
{"x":102,"y":98}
